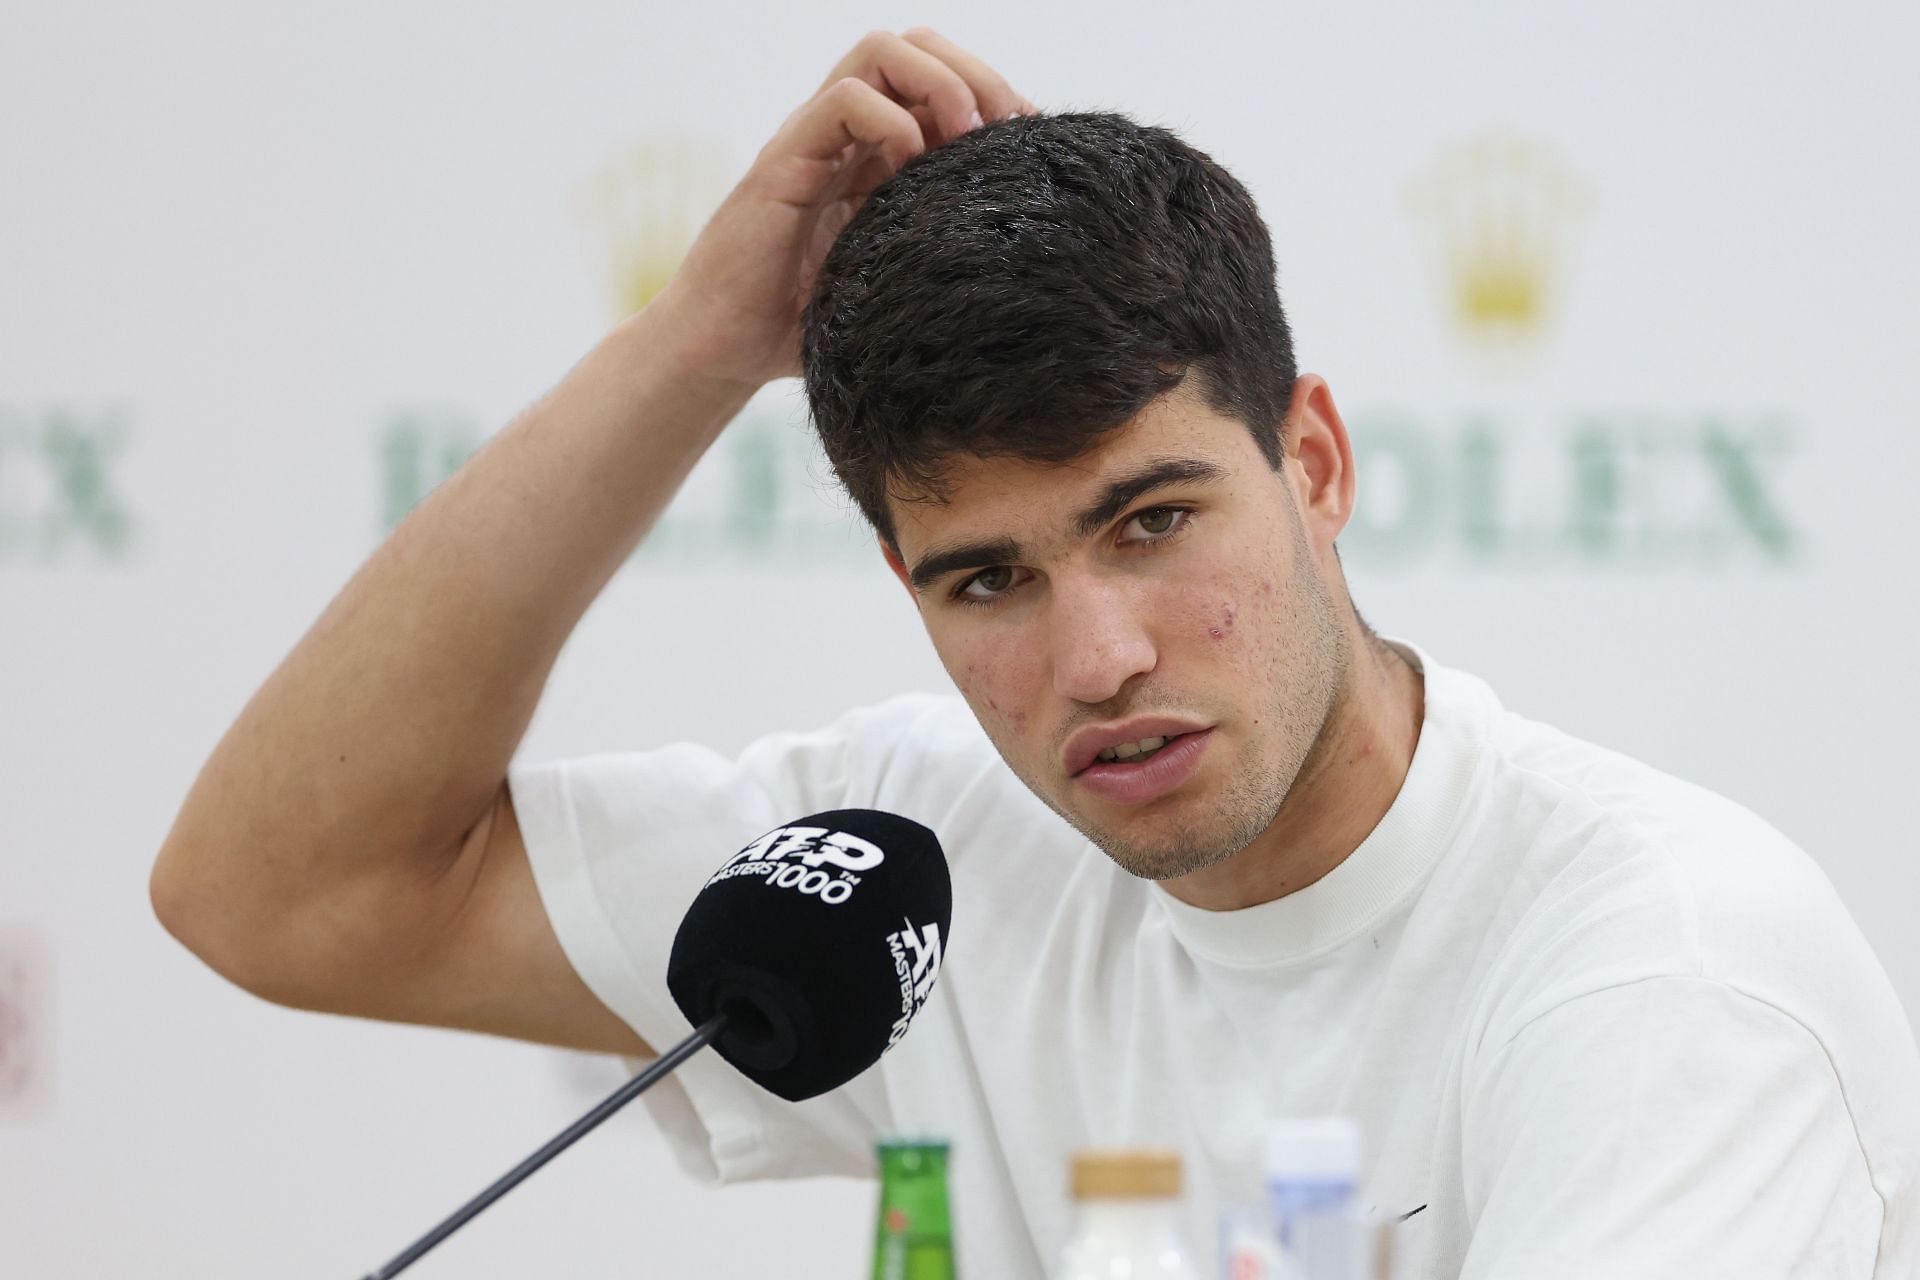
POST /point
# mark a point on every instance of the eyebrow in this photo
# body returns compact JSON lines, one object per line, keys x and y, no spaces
{"x":935,"y":565}
{"x":1155,"y":473}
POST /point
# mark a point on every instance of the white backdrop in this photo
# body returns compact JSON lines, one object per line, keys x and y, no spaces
{"x":1619,"y":303}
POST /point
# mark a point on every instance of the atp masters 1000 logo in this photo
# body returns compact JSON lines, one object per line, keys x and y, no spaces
{"x":59,"y":502}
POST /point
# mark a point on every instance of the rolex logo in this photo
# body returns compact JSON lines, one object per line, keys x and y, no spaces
{"x":643,"y":208}
{"x":61,"y":497}
{"x":1497,"y":215}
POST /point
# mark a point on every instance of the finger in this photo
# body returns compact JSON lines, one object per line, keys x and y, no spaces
{"x":848,"y":113}
{"x":911,"y":75}
{"x":929,"y":121}
{"x":867,"y":176}
{"x":996,"y":98}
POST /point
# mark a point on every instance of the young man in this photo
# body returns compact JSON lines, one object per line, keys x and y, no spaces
{"x":1220,"y":853}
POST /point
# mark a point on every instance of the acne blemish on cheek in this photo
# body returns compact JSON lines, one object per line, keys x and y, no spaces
{"x":1227,"y":614}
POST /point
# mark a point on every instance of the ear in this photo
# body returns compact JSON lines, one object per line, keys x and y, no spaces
{"x":1319,"y":460}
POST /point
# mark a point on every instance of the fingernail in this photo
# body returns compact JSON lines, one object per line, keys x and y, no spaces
{"x":975,"y":121}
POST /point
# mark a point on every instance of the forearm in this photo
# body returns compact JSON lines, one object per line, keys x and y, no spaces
{"x":384,"y":735}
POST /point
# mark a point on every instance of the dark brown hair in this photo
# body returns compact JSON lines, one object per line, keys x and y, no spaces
{"x":1028,"y":287}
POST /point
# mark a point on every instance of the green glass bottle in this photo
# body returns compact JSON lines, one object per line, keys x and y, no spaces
{"x":914,"y":1237}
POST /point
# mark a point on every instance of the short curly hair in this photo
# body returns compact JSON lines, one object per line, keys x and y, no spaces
{"x":1030,"y":286}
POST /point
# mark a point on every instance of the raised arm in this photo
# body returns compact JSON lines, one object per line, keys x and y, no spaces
{"x":349,"y":846}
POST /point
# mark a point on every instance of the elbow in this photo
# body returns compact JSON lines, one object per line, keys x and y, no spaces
{"x":191,"y":907}
{"x":171,"y":897}
{"x":289,"y":949}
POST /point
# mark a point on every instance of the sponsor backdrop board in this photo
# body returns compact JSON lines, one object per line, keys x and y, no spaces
{"x":1617,"y":301}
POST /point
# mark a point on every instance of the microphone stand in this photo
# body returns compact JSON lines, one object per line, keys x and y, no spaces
{"x":706,"y":1034}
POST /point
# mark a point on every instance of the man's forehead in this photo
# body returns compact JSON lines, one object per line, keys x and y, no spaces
{"x":967,"y":480}
{"x":997,"y":492}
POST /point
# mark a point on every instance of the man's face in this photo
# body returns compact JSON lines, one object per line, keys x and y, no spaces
{"x":1160,"y":586}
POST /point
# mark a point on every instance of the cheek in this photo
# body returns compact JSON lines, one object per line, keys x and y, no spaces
{"x":994,"y":685}
{"x":1211,"y":613}
{"x":1227,"y":625}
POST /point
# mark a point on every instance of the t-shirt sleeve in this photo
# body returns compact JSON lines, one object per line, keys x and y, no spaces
{"x":1669,"y":1127}
{"x":620,"y":844}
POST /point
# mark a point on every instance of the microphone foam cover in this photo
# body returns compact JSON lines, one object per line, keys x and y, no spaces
{"x":820,"y":941}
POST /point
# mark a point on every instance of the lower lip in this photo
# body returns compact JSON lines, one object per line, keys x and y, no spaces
{"x":1139,"y":783}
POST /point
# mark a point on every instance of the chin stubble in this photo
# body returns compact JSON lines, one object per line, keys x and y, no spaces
{"x":1320,"y":661}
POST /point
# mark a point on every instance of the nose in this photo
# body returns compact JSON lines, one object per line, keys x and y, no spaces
{"x":1100,"y":639}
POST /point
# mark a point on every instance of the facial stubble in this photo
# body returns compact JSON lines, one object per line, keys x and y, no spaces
{"x":1304,"y":681}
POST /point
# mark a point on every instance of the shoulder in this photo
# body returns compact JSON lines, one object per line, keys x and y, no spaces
{"x":924,"y":756}
{"x":915,"y":745}
{"x":1636,"y":799}
{"x":1556,"y":812}
{"x":893,"y":754}
{"x":1606,"y":821}
{"x":1626,"y":874}
{"x":921,"y":755}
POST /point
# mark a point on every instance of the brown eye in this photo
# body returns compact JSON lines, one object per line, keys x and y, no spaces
{"x":1158,"y":520}
{"x":991,"y":587}
{"x":993,"y":580}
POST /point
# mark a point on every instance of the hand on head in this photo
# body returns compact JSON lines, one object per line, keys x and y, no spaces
{"x":739,"y":296}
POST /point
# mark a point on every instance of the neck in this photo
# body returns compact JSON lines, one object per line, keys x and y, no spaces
{"x":1345,"y":786}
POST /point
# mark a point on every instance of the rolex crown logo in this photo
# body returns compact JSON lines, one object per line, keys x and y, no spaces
{"x":642,"y":209}
{"x":1497,"y":215}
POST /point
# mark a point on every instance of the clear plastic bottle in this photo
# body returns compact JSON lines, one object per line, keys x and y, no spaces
{"x":1313,"y":1169}
{"x":1124,"y":1220}
{"x":1249,"y":1249}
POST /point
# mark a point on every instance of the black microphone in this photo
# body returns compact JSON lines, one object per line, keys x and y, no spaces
{"x":802,"y":960}
{"x":818,"y":943}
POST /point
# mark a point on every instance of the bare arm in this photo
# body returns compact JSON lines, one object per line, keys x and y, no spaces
{"x":329,"y":827}
{"x":349,"y":846}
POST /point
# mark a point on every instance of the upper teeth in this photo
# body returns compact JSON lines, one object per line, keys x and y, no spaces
{"x":1127,"y":750}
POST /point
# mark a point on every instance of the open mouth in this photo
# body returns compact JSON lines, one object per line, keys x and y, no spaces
{"x":1146,"y":768}
{"x":1136,"y":752}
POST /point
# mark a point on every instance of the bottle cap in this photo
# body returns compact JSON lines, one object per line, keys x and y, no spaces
{"x":1126,"y":1175}
{"x":1314,"y":1148}
{"x":912,"y":1142}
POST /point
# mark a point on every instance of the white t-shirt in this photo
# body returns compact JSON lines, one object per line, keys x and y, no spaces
{"x":1598,"y":1021}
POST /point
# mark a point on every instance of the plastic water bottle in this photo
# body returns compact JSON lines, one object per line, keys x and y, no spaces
{"x":1313,"y":1170}
{"x":1249,"y":1249}
{"x":1124,"y":1225}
